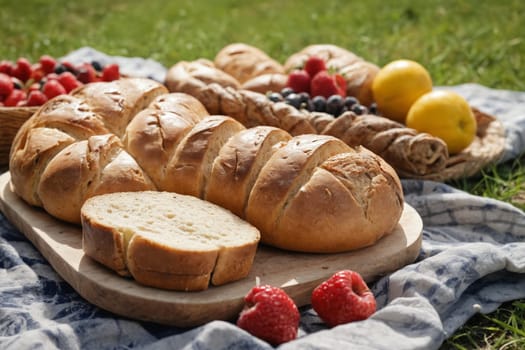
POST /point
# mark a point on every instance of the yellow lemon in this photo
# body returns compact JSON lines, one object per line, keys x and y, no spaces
{"x":446,"y":115}
{"x":398,"y":85}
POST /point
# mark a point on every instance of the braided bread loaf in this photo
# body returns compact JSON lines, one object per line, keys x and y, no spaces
{"x":311,"y":193}
{"x":409,"y":152}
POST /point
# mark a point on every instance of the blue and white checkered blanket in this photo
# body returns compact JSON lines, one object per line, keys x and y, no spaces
{"x":472,"y":260}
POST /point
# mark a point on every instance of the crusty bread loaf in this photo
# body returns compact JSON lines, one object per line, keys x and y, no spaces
{"x":187,"y":75}
{"x":262,"y":174}
{"x":168,"y":240}
{"x":244,"y":62}
{"x":266,"y":83}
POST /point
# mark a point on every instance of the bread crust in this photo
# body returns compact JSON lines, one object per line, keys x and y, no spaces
{"x":119,"y":100}
{"x":284,"y":174}
{"x":352,"y":192}
{"x":189,"y":169}
{"x":153,"y":134}
{"x":238,"y":164}
{"x":187,"y":76}
{"x":270,"y":82}
{"x":245,"y":62}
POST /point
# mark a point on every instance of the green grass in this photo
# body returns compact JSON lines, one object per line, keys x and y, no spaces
{"x":480,"y":41}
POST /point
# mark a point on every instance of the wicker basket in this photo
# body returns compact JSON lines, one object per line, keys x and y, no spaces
{"x":11,"y":119}
{"x":487,"y":148}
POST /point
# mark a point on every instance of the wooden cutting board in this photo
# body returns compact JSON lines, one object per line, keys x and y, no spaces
{"x":297,"y":273}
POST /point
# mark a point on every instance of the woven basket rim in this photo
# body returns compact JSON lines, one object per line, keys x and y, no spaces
{"x":487,"y":147}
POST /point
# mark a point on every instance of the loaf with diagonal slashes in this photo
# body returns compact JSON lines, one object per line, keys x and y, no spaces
{"x":308,"y":193}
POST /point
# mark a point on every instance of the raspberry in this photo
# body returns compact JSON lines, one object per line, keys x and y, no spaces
{"x":6,"y":67}
{"x":68,"y":81}
{"x":15,"y":97}
{"x":270,"y":315}
{"x":36,"y":98}
{"x":6,"y":85}
{"x":343,"y":298}
{"x":53,"y":88}
{"x":22,"y":69}
{"x":314,"y":65}
{"x":86,"y":73}
{"x":111,"y":72}
{"x":47,"y":63}
{"x":325,"y":84}
{"x":299,"y":81}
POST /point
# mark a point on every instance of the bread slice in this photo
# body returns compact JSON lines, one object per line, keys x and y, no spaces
{"x":168,"y":240}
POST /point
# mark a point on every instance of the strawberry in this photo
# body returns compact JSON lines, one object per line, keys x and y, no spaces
{"x":111,"y":72}
{"x":37,"y":72}
{"x":36,"y":98}
{"x":16,"y":96}
{"x":47,"y":63}
{"x":6,"y":85}
{"x":314,"y":65}
{"x":70,"y":67}
{"x":6,"y":67}
{"x":270,"y":315}
{"x":53,"y":88}
{"x":68,"y":81}
{"x":86,"y":73}
{"x":23,"y":69}
{"x":343,"y":298}
{"x":299,"y":81}
{"x":326,"y":84}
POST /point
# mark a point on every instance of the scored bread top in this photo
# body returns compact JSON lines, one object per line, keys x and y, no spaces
{"x":261,"y":174}
{"x":168,"y":240}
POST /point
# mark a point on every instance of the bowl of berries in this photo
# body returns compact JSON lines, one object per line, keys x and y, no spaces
{"x":25,"y":86}
{"x":316,"y":88}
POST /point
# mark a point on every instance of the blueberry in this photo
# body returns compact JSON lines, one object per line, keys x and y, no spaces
{"x":308,"y":105}
{"x":60,"y":68}
{"x":334,"y":105}
{"x":97,"y":65}
{"x":293,"y":99}
{"x":286,"y":91}
{"x":359,"y":109}
{"x":350,"y":101}
{"x":275,"y":97}
{"x":305,"y":96}
{"x":373,"y":108}
{"x":319,"y":103}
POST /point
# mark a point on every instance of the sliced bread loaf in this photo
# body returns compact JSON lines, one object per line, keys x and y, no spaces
{"x":168,"y":240}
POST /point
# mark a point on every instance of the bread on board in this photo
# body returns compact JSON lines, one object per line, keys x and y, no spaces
{"x":309,"y":193}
